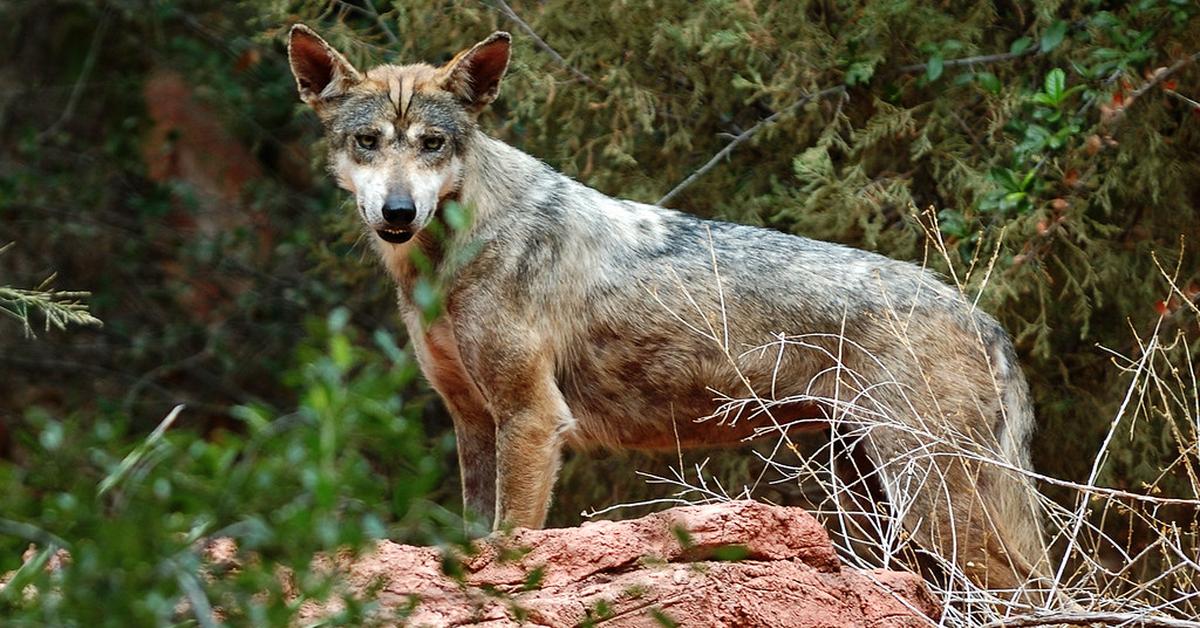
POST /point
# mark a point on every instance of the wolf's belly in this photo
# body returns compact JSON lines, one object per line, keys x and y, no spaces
{"x":665,"y":405}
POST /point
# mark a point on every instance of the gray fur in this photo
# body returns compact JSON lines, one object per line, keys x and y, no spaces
{"x":575,"y":318}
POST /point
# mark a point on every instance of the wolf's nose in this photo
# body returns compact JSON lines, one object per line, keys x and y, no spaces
{"x":399,"y":211}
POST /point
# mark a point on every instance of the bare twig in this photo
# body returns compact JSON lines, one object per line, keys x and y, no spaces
{"x":541,"y":43}
{"x":1085,"y":618}
{"x":1191,"y":103}
{"x":967,"y":604}
{"x":1156,"y":79}
{"x":379,"y":20}
{"x":746,"y":135}
{"x":916,"y":67}
{"x":373,"y":13}
{"x":1105,"y":582}
{"x":976,"y":60}
{"x":89,"y":62}
{"x":1101,"y":457}
{"x":1163,"y":75}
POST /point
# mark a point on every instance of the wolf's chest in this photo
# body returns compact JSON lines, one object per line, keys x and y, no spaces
{"x":437,"y":350}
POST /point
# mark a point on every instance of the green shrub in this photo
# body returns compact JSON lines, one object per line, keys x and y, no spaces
{"x":351,"y":464}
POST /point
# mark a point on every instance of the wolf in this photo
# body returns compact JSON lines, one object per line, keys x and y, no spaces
{"x":574,"y":318}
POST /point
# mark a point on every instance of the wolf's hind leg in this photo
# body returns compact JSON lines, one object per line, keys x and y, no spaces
{"x":947,"y":507}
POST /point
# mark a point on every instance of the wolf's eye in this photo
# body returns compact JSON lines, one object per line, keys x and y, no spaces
{"x":433,"y":143}
{"x":367,"y":141}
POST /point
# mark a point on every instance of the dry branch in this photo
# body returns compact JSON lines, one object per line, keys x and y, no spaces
{"x":968,"y":61}
{"x":745,"y":135}
{"x":541,"y":43}
{"x":373,"y":14}
{"x":1088,"y":619}
{"x":1162,"y":75}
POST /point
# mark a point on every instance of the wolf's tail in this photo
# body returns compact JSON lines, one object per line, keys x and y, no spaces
{"x":1014,"y":426}
{"x":1016,"y":500}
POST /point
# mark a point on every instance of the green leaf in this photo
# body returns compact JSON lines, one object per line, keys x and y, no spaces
{"x":1012,"y":200}
{"x":952,"y":223}
{"x":130,"y":461}
{"x":533,"y":579}
{"x":257,"y":417}
{"x":1020,"y":45}
{"x":1006,"y":179}
{"x":1056,"y":85}
{"x":1053,"y":36}
{"x":1043,"y":99}
{"x":740,"y":82}
{"x":338,"y":319}
{"x":730,"y":553}
{"x":341,"y":351}
{"x":51,"y":437}
{"x":935,"y":66}
{"x":860,"y":72}
{"x":427,"y":298}
{"x":683,"y":536}
{"x":988,"y":81}
{"x":456,"y":216}
{"x":1029,"y":178}
{"x":387,"y":343}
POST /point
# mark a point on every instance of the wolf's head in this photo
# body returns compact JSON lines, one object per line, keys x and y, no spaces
{"x":397,"y":133}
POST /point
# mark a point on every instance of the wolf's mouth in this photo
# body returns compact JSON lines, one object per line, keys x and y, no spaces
{"x":394,"y":236}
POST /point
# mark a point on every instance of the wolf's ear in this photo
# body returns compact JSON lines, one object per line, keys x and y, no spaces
{"x":474,"y":74}
{"x":321,"y":72}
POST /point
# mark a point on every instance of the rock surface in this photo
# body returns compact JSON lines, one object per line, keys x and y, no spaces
{"x":734,"y":564}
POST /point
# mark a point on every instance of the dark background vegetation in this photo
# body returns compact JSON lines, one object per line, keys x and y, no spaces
{"x":155,"y":154}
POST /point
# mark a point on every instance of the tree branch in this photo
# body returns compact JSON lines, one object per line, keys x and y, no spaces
{"x":1191,"y":103}
{"x":379,"y":20}
{"x":1159,"y":77}
{"x":372,"y":13}
{"x":746,"y":135}
{"x":916,"y":67}
{"x":541,"y":43}
{"x":89,"y":62}
{"x":976,"y":60}
{"x":1118,"y":114}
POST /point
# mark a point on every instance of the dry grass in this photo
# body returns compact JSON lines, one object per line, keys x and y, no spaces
{"x":1119,"y":557}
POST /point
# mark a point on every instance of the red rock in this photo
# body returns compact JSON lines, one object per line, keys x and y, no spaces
{"x":629,"y":571}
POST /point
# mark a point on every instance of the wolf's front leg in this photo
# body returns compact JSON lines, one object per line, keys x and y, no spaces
{"x":528,"y":451}
{"x":474,"y":426}
{"x":475,"y":435}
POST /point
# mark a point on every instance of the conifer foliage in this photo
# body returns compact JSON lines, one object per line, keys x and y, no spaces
{"x":1053,"y":148}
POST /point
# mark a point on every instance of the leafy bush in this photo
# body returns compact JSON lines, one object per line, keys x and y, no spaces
{"x":351,"y":464}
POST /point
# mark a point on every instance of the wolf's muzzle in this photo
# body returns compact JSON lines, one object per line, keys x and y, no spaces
{"x":398,"y":213}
